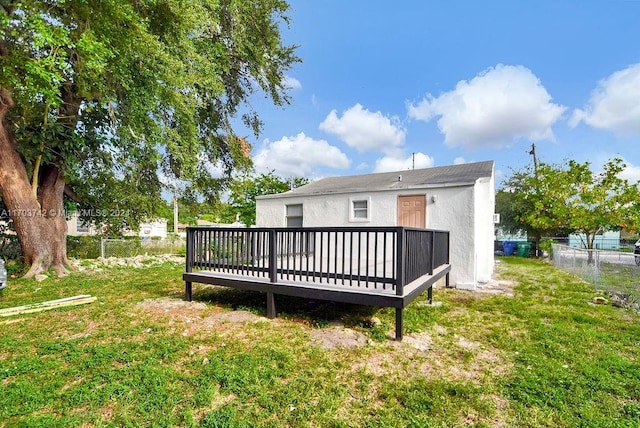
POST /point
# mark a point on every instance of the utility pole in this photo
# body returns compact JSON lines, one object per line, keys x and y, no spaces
{"x":413,"y":160}
{"x":535,"y":159}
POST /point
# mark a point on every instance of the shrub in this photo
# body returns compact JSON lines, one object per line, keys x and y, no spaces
{"x":83,"y":247}
{"x":546,"y":245}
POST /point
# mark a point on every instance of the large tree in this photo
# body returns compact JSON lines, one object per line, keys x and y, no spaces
{"x":522,"y":195}
{"x":100,"y":97}
{"x":573,"y":199}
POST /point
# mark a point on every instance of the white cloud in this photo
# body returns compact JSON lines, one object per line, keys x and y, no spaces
{"x":498,"y":106}
{"x":215,"y":169}
{"x":631,"y":173}
{"x":291,"y":83}
{"x":298,"y":156}
{"x":364,"y":130}
{"x":614,"y":104}
{"x":459,"y":161}
{"x":391,"y":163}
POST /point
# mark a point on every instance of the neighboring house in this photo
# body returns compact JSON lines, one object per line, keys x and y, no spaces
{"x":148,"y":229}
{"x":602,"y":241}
{"x":76,"y":227}
{"x":502,"y":236}
{"x":206,"y":223}
{"x":153,"y":229}
{"x":457,"y":198}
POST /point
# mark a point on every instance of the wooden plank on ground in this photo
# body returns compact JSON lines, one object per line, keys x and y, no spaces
{"x":45,"y":306}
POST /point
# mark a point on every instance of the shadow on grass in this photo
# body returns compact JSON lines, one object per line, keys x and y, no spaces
{"x":318,"y":313}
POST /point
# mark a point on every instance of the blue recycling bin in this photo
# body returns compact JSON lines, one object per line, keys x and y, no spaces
{"x":508,"y":248}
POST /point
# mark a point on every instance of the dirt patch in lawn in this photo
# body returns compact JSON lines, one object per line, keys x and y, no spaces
{"x":168,"y":305}
{"x":338,"y":337}
{"x":436,"y":352}
{"x":497,"y":285}
{"x":193,"y":318}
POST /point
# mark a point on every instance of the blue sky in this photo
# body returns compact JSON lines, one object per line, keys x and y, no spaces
{"x":455,"y":81}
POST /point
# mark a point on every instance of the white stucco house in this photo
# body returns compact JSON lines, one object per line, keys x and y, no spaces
{"x":148,"y":229}
{"x":153,"y":229}
{"x":457,"y":198}
{"x":609,"y":240}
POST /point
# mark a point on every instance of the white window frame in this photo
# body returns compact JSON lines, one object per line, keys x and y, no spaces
{"x":353,"y":209}
{"x":288,"y":216}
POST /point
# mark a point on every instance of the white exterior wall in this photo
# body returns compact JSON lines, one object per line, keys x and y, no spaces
{"x":485,"y":229}
{"x":453,"y":211}
{"x":73,"y":223}
{"x":471,"y":235}
{"x":155,"y":229}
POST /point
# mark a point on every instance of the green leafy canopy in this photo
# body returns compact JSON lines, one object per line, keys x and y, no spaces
{"x":571,"y":198}
{"x":244,"y":190}
{"x":115,"y":93}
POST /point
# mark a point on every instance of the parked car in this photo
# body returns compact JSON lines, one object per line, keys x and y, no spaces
{"x":636,"y":251}
{"x":3,"y":275}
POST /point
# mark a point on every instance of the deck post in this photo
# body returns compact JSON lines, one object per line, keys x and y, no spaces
{"x":188,"y":291}
{"x":399,"y":324}
{"x":433,"y":252}
{"x":430,"y":294}
{"x":188,"y":287}
{"x":271,"y":305}
{"x":401,"y":254}
{"x":273,"y":256}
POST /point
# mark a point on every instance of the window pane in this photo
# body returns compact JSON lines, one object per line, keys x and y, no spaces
{"x":294,"y":221}
{"x":360,"y":214}
{"x":360,"y":209}
{"x":294,"y":210}
{"x":359,"y":205}
{"x":82,"y":226}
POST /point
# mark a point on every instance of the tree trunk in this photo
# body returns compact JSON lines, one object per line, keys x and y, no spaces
{"x":39,"y":221}
{"x":590,"y":238}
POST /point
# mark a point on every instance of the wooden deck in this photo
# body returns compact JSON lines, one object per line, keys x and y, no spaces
{"x":384,"y":267}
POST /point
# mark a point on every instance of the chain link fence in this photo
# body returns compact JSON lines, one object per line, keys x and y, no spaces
{"x":92,"y":247}
{"x":137,"y":247}
{"x":615,"y":272}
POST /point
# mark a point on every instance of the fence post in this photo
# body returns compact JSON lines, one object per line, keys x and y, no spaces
{"x":596,"y":273}
{"x":102,"y":247}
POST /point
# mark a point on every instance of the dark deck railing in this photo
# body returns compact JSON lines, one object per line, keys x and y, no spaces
{"x":376,"y":258}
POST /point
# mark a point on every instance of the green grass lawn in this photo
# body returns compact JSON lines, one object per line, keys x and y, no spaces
{"x":139,"y":356}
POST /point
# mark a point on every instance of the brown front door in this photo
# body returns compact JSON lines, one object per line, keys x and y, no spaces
{"x":412,"y":211}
